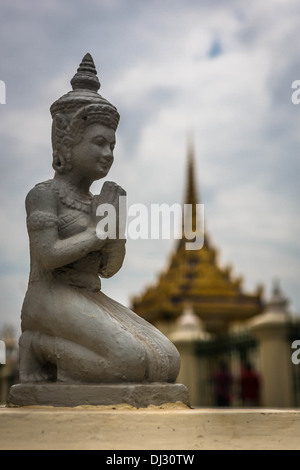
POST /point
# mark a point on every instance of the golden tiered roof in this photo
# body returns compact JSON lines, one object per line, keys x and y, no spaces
{"x":194,"y":277}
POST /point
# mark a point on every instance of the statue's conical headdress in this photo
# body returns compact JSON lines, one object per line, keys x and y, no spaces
{"x":73,"y":112}
{"x":83,"y":101}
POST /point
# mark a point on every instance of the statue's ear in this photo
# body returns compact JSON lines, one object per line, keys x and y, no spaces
{"x":61,"y":143}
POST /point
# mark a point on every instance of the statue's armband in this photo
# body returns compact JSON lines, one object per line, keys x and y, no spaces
{"x":39,"y":220}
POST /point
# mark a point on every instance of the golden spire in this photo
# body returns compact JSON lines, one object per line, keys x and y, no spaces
{"x":194,"y":277}
{"x":191,"y":195}
{"x":191,"y":192}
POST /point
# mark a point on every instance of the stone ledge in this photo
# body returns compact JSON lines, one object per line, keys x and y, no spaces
{"x":58,"y":394}
{"x":168,"y":427}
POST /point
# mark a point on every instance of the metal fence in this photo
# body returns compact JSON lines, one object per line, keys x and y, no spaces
{"x":232,"y":352}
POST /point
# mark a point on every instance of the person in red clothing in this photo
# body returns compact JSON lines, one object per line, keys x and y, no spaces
{"x":223,"y":385}
{"x":250,"y":386}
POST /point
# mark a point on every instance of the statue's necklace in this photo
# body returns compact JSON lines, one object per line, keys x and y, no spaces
{"x":70,"y":198}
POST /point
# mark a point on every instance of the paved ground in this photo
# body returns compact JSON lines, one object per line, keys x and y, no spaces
{"x":169,"y":427}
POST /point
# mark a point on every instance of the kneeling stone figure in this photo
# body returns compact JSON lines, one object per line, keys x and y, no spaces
{"x":72,"y":333}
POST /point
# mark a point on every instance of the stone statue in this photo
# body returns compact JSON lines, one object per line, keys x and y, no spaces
{"x":72,"y":333}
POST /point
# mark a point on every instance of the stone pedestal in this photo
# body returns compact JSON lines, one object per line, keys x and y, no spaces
{"x":71,"y":395}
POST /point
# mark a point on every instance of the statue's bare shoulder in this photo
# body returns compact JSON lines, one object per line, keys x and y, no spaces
{"x":41,"y":198}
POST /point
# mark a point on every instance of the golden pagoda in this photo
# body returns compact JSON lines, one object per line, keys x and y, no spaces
{"x":194,"y":278}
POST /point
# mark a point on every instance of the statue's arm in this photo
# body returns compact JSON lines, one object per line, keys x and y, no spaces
{"x":51,"y":251}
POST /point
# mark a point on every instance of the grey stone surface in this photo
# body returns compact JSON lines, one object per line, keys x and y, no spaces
{"x":167,"y":427}
{"x":72,"y":332}
{"x":137,"y":395}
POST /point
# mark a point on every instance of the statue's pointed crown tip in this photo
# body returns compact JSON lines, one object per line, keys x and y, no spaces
{"x":86,"y":76}
{"x":88,"y":56}
{"x":88,"y":59}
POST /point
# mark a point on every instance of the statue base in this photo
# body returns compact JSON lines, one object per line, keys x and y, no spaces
{"x":139,"y":395}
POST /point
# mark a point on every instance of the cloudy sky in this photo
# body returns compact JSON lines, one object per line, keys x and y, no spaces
{"x":221,"y":69}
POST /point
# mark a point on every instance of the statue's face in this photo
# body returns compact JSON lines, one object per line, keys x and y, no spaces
{"x":93,"y":156}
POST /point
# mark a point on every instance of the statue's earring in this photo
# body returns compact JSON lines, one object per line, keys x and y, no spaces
{"x":58,"y":163}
